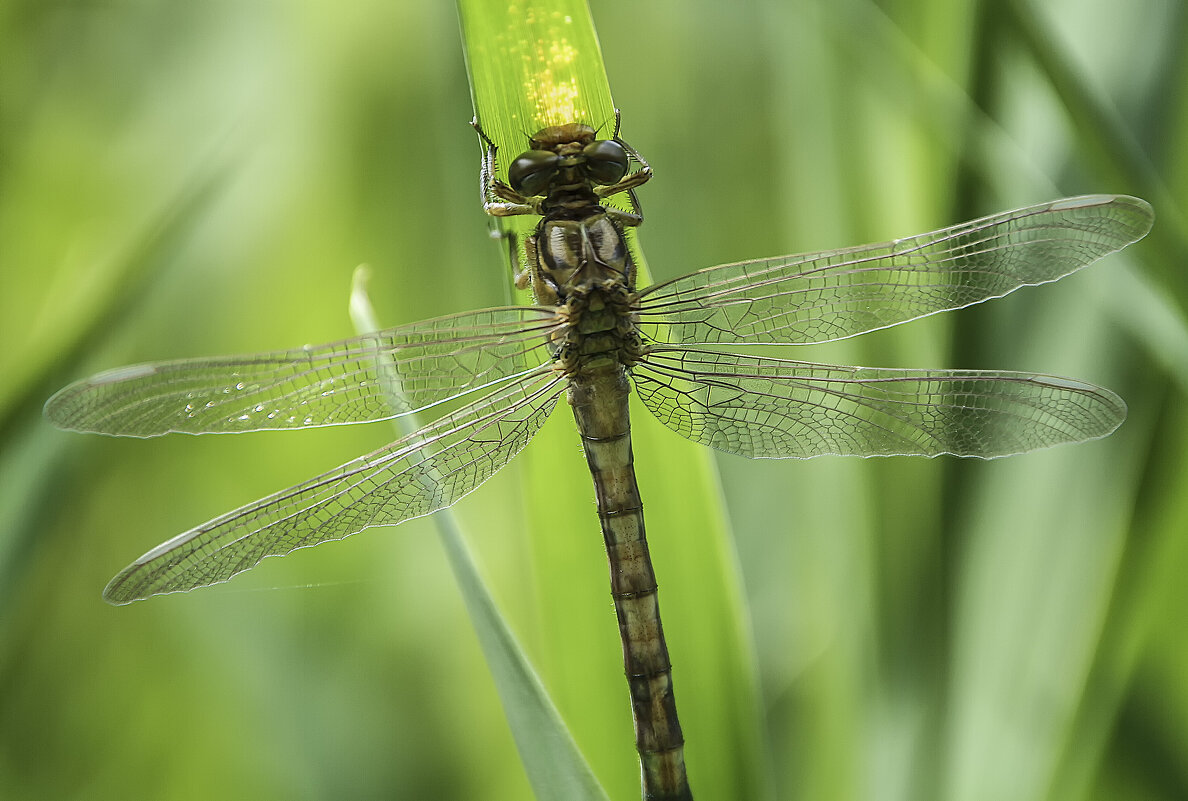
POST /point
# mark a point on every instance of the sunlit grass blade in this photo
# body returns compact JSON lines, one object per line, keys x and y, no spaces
{"x":533,"y":65}
{"x":536,"y":65}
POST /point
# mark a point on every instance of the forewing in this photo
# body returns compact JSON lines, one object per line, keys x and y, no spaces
{"x":777,"y":408}
{"x":428,"y":470}
{"x":820,"y":297}
{"x":432,"y":361}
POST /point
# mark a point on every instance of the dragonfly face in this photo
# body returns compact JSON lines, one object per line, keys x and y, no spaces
{"x":593,"y":336}
{"x":567,"y":157}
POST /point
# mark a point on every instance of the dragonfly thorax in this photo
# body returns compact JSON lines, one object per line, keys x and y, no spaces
{"x":576,"y":253}
{"x":565,"y":177}
{"x":600,"y":329}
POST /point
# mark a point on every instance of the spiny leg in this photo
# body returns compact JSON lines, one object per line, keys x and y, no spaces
{"x":497,"y":198}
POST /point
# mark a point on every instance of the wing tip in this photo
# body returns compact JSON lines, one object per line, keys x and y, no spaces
{"x":117,"y":593}
{"x":1137,"y":212}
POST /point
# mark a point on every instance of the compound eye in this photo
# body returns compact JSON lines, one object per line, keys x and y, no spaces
{"x":606,"y":161}
{"x":531,"y":172}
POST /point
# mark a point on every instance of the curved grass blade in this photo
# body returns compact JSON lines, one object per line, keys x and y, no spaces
{"x":555,"y":766}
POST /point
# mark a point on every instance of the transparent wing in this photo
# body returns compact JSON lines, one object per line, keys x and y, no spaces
{"x":428,"y":470}
{"x":777,"y":408}
{"x":820,"y":297}
{"x":433,"y":361}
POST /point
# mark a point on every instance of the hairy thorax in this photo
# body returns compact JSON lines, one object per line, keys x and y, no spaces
{"x":600,"y":335}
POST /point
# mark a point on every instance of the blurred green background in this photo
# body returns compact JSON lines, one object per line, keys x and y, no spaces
{"x":189,"y":179}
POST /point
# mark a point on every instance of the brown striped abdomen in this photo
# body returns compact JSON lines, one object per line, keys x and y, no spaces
{"x":599,"y":400}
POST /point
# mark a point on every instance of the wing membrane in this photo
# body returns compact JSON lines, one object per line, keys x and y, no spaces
{"x":777,"y":408}
{"x":820,"y":297}
{"x":428,"y":470}
{"x":434,"y":361}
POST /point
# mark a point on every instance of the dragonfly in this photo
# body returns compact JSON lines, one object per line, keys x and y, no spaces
{"x":493,"y":376}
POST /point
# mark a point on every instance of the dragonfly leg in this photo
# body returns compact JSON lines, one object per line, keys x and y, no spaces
{"x":632,"y":180}
{"x":499,"y":199}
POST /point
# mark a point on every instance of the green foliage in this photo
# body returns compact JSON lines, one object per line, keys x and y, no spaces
{"x":186,"y":179}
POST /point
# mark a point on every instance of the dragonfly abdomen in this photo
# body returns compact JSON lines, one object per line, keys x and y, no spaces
{"x":599,"y":399}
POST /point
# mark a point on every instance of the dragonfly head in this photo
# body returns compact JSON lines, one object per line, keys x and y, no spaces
{"x":565,"y":155}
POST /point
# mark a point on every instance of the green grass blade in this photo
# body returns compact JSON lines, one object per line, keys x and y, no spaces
{"x":534,"y":65}
{"x":554,"y":765}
